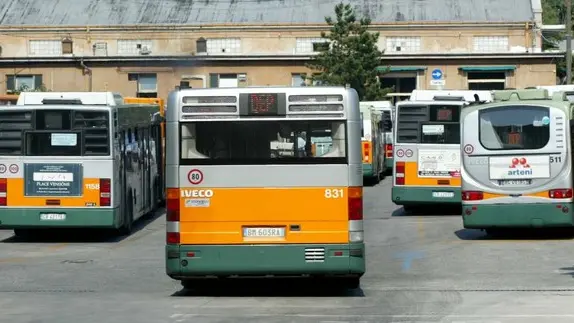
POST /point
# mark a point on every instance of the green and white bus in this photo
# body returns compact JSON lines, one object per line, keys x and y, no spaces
{"x":372,"y":143}
{"x":517,"y":161}
{"x":78,"y":160}
{"x":427,"y":147}
{"x":387,"y":111}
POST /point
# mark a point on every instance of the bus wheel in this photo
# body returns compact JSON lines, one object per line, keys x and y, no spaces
{"x":128,"y":216}
{"x":23,"y":233}
{"x":196,"y":284}
{"x":352,"y":282}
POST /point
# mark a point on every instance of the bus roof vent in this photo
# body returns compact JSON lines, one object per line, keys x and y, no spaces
{"x":448,"y":98}
{"x":87,"y":98}
{"x":450,"y":95}
{"x":519,"y":95}
{"x":561,"y":96}
{"x":62,"y":101}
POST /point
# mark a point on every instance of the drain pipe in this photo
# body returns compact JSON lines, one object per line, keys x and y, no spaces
{"x":88,"y":71}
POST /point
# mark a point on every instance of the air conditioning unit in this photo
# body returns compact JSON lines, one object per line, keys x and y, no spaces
{"x":144,"y":50}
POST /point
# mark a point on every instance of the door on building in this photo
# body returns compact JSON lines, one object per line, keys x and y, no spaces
{"x":403,"y":82}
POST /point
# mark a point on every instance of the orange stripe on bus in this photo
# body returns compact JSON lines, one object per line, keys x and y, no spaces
{"x":16,"y":196}
{"x":309,"y":215}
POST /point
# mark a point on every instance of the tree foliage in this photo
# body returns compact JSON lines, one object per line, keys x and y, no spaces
{"x":351,"y":56}
{"x":554,"y":13}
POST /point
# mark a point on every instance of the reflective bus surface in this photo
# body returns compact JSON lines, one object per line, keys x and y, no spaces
{"x":517,"y":170}
{"x":372,"y":142}
{"x":387,"y":111}
{"x":77,"y":160}
{"x":427,"y":147}
{"x":239,"y":205}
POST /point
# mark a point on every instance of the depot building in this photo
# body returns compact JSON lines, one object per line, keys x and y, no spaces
{"x":72,"y":45}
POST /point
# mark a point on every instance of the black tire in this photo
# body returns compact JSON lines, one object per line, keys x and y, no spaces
{"x":126,"y":228}
{"x":198,"y":283}
{"x":409,"y":208}
{"x":23,"y":233}
{"x":351,"y":282}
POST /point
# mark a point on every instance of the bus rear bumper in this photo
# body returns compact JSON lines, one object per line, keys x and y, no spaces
{"x":538,"y":215}
{"x":30,"y":218}
{"x":188,"y":261}
{"x":408,"y":195}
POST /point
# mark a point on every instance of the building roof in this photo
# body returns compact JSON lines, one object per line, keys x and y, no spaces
{"x":195,"y":12}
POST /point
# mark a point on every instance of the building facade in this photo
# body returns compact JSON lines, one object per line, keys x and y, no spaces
{"x":145,"y":48}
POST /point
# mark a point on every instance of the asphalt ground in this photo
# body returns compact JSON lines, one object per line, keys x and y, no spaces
{"x":420,"y":268}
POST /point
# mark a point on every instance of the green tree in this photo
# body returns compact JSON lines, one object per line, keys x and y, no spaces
{"x":554,"y":13}
{"x":351,"y":56}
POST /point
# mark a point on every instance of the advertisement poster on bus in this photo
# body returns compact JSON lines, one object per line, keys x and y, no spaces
{"x":53,"y":179}
{"x":439,"y":163}
{"x":519,"y":167}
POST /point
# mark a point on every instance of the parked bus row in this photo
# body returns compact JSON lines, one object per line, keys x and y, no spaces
{"x":504,"y":156}
{"x":259,"y":181}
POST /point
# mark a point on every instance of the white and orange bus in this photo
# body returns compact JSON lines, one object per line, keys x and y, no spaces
{"x":247,"y":195}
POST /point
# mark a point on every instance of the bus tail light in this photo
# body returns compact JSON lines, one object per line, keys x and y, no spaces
{"x":389,"y":150}
{"x":561,"y":193}
{"x":355,"y":209}
{"x":366,"y":152}
{"x":172,"y":215}
{"x":472,"y":196}
{"x":105,"y":192}
{"x":3,"y":192}
{"x":400,"y":173}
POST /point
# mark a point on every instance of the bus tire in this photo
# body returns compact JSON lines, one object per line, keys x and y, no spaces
{"x":128,"y":216}
{"x":352,"y":282}
{"x":23,"y":233}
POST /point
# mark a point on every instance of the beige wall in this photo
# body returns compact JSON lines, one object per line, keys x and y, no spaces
{"x":433,"y":39}
{"x":527,"y":73}
{"x":270,"y":40}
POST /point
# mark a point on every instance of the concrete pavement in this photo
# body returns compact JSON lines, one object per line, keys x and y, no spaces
{"x":420,"y":269}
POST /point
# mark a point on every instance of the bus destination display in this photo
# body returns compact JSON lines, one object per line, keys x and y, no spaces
{"x":262,"y":104}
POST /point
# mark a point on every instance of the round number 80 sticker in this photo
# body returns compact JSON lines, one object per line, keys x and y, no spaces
{"x":468,"y":149}
{"x":195,"y":176}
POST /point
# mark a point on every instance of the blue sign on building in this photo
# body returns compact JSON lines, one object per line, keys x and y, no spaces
{"x":436,"y":74}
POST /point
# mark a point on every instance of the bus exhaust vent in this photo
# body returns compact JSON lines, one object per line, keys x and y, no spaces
{"x":12,"y":123}
{"x":314,"y":254}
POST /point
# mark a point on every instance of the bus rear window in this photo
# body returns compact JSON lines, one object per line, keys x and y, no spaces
{"x":263,"y":142}
{"x":42,"y":143}
{"x":514,"y":127}
{"x":53,"y":132}
{"x":428,"y":124}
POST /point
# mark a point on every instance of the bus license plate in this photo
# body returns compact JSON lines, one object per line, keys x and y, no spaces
{"x":263,"y":232}
{"x":52,"y":216}
{"x":443,"y":194}
{"x":514,"y":182}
